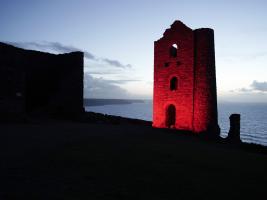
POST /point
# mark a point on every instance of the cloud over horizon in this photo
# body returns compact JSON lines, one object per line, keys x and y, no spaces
{"x":102,"y":88}
{"x":259,"y":86}
{"x":255,"y":86}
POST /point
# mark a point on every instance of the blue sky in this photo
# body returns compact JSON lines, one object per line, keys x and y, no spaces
{"x":118,"y":37}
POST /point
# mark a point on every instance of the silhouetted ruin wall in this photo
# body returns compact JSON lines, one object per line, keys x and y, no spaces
{"x":33,"y":81}
{"x":234,"y":132}
{"x":185,"y":80}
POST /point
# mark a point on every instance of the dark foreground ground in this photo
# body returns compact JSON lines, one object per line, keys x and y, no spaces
{"x":71,"y":160}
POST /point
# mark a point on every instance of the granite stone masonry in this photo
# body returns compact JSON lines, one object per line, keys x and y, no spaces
{"x":185,"y":94}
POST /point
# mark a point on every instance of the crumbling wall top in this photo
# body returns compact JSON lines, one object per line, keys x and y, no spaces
{"x":178,"y":26}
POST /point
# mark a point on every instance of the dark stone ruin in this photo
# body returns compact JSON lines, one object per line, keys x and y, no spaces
{"x":38,"y":82}
{"x":234,"y":132}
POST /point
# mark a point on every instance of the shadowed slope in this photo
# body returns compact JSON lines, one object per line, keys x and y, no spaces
{"x":63,"y":160}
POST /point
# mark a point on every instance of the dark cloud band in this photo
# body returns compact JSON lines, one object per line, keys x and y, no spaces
{"x":60,"y":48}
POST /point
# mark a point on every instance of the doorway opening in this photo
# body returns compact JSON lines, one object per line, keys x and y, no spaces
{"x":170,"y":116}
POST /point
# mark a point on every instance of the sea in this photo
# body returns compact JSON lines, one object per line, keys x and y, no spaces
{"x":253,"y":124}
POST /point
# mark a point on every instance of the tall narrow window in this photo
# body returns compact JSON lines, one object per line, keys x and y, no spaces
{"x":173,"y":84}
{"x":173,"y":50}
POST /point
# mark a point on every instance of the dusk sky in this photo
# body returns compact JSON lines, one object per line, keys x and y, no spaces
{"x":117,"y":37}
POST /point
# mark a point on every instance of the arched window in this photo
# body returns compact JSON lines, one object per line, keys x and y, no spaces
{"x":173,"y":83}
{"x":173,"y":50}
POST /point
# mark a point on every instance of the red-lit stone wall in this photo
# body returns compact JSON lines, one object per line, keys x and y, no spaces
{"x":194,"y":66}
{"x":205,"y":97}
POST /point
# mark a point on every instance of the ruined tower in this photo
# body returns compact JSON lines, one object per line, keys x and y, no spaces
{"x":33,"y":81}
{"x":185,"y":80}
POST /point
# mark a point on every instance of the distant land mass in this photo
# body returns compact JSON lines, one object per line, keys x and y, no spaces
{"x":101,"y":102}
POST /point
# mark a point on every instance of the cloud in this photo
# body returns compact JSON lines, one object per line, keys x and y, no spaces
{"x":60,"y":48}
{"x":121,"y":81}
{"x":244,"y":90}
{"x":102,"y":88}
{"x":259,"y":86}
{"x":56,"y":46}
{"x":116,"y":63}
{"x":100,"y":72}
{"x":254,"y":87}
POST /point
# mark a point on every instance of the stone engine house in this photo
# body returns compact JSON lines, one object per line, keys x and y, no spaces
{"x":33,"y":81}
{"x":185,"y":80}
